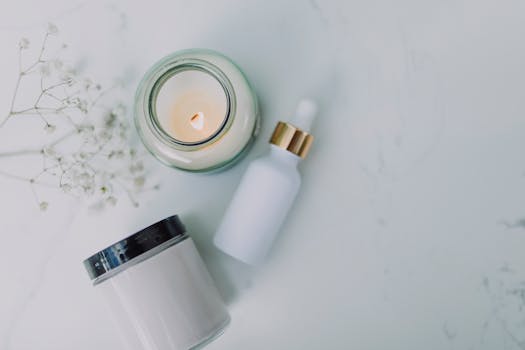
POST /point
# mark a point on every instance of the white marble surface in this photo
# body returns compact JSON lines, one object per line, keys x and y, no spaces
{"x":407,"y":234}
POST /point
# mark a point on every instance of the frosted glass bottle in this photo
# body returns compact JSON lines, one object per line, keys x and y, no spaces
{"x":267,"y":191}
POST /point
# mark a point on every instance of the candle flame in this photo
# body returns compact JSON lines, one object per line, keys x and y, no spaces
{"x":197,"y":121}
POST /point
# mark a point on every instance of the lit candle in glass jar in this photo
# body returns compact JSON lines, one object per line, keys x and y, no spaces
{"x":191,"y":106}
{"x":196,"y":111}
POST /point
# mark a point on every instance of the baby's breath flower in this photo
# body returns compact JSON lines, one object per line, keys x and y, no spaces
{"x":67,"y":78}
{"x":139,"y":182}
{"x":68,"y":74}
{"x":88,"y":189}
{"x":85,"y":128}
{"x":73,"y":101}
{"x":23,"y":44}
{"x":87,"y":83}
{"x":136,"y":167}
{"x":49,"y":151}
{"x":119,"y":110}
{"x":110,"y":119}
{"x":94,"y":159}
{"x":45,"y":69}
{"x":84,"y":177}
{"x":83,"y":106}
{"x":111,"y":200}
{"x":52,"y":29}
{"x":104,"y":135}
{"x":82,"y":155}
{"x":58,"y":64}
{"x":49,"y":128}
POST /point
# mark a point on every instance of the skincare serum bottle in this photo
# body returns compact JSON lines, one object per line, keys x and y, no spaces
{"x":267,"y":191}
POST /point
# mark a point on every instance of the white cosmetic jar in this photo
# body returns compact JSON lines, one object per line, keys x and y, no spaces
{"x":159,"y":290}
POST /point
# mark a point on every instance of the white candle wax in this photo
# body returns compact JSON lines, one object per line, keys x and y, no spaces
{"x":191,"y":106}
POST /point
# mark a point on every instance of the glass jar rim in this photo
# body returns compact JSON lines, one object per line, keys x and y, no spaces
{"x":185,"y":65}
{"x":221,"y":149}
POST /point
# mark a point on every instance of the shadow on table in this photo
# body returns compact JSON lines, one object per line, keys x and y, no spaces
{"x":231,"y":276}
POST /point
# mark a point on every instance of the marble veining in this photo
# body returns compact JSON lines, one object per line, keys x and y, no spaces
{"x":410,"y":228}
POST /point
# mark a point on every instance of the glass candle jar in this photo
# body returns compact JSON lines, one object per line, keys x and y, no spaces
{"x":158,"y":289}
{"x":195,"y":110}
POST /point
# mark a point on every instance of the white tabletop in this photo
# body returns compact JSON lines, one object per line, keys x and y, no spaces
{"x":409,"y":229}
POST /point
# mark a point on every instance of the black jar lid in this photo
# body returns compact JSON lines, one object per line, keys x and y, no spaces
{"x":130,"y":248}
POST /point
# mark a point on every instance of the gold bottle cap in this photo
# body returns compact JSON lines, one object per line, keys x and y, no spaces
{"x":292,"y":139}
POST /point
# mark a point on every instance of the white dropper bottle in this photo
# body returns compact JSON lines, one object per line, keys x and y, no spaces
{"x":267,"y":191}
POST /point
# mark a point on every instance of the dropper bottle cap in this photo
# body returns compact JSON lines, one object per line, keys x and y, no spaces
{"x":294,"y":136}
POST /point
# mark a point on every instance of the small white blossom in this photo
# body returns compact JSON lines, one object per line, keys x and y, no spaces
{"x":45,"y":70}
{"x":88,"y":189}
{"x":84,"y":177}
{"x":73,"y":101}
{"x":87,"y":83}
{"x":49,"y":128}
{"x":111,"y":200}
{"x":136,"y":167}
{"x":52,"y":29}
{"x":83,"y":106}
{"x":120,"y":154}
{"x":49,"y":151}
{"x":43,"y":206}
{"x":23,"y":43}
{"x":120,"y":110}
{"x":67,"y":78}
{"x":58,"y":64}
{"x":104,"y":135}
{"x":110,"y":119}
{"x":68,"y":74}
{"x":139,"y":182}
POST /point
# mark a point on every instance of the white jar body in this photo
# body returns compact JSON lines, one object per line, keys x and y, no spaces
{"x":259,"y":206}
{"x":166,"y":302}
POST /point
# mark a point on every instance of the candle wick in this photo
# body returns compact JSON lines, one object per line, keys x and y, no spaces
{"x":197,"y":121}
